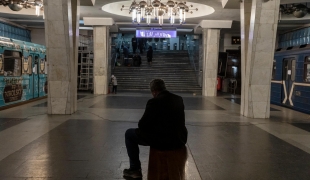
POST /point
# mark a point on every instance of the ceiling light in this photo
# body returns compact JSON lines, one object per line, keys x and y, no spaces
{"x":18,"y":5}
{"x":158,"y":9}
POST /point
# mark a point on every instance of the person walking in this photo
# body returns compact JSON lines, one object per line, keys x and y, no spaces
{"x":162,"y":127}
{"x":150,"y":55}
{"x":114,"y":84}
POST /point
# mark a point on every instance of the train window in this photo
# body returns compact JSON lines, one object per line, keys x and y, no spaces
{"x":307,"y":69}
{"x":12,"y":64}
{"x":42,"y":66}
{"x":36,"y":62}
{"x":274,"y":68}
{"x":1,"y":64}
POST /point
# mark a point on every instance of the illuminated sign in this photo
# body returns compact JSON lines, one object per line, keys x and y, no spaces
{"x":156,"y":33}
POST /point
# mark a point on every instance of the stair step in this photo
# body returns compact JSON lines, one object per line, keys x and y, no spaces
{"x":172,"y":66}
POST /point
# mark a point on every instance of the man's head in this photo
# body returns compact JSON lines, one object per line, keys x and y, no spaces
{"x":157,"y":86}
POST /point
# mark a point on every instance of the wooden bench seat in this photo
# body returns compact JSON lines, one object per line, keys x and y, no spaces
{"x":167,"y":165}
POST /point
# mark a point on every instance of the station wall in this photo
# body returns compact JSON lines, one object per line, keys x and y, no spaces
{"x":38,"y":36}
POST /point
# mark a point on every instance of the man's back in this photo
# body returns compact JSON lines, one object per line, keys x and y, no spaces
{"x":163,"y":122}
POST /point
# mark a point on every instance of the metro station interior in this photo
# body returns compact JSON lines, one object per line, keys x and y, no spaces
{"x":76,"y":74}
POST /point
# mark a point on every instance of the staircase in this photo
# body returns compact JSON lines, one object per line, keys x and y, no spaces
{"x":171,"y":66}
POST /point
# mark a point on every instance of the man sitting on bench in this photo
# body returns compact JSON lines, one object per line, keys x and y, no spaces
{"x":162,"y":127}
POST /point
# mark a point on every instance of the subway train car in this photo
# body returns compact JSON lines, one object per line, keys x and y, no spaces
{"x":23,"y":72}
{"x":290,"y":85}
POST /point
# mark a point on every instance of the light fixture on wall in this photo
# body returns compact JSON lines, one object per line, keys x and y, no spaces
{"x":17,"y":5}
{"x":157,"y":9}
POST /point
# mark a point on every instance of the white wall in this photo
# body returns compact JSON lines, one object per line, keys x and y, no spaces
{"x":38,"y":36}
{"x":227,"y":42}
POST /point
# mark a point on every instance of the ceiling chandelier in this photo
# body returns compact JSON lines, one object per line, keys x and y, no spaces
{"x":143,"y":10}
{"x":298,"y":10}
{"x":17,"y":5}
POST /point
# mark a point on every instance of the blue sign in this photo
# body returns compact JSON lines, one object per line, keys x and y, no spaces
{"x":155,"y":33}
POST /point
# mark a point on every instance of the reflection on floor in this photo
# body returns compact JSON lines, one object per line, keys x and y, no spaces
{"x":45,"y":103}
{"x":238,"y":101}
{"x":90,"y":143}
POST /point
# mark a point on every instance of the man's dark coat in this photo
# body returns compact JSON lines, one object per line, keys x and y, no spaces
{"x":162,"y":125}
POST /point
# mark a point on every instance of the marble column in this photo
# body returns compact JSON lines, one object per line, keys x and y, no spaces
{"x":211,"y":39}
{"x":259,"y":57}
{"x":245,"y":18}
{"x":61,"y":35}
{"x":101,"y":57}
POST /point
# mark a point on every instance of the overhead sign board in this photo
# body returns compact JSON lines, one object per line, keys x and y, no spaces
{"x":156,"y":32}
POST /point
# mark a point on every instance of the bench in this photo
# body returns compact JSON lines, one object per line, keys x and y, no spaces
{"x":167,"y":165}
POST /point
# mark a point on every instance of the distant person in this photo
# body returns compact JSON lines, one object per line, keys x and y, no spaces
{"x":162,"y":127}
{"x":136,"y":60}
{"x":141,"y":45}
{"x":134,"y":43}
{"x":126,"y":54}
{"x":150,"y":55}
{"x":114,"y":84}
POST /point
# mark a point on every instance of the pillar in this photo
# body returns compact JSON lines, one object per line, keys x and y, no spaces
{"x":245,"y":18}
{"x":211,"y":38}
{"x":101,"y":57}
{"x":259,"y":58}
{"x":61,"y":35}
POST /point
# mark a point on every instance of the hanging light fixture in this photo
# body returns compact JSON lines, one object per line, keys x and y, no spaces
{"x":143,"y":5}
{"x":161,"y":13}
{"x":158,"y":9}
{"x":148,"y":19}
{"x":138,"y":17}
{"x":156,"y":4}
{"x":17,"y":5}
{"x":170,"y":5}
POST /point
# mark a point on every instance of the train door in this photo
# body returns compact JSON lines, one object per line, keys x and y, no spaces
{"x":35,"y":75}
{"x":288,"y":77}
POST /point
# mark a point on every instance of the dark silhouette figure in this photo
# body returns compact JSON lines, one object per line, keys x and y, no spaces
{"x":162,"y":127}
{"x":150,"y":55}
{"x":134,"y":43}
{"x":136,"y":60}
{"x":141,"y":45}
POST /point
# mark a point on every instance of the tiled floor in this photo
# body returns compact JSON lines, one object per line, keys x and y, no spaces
{"x":90,"y":143}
